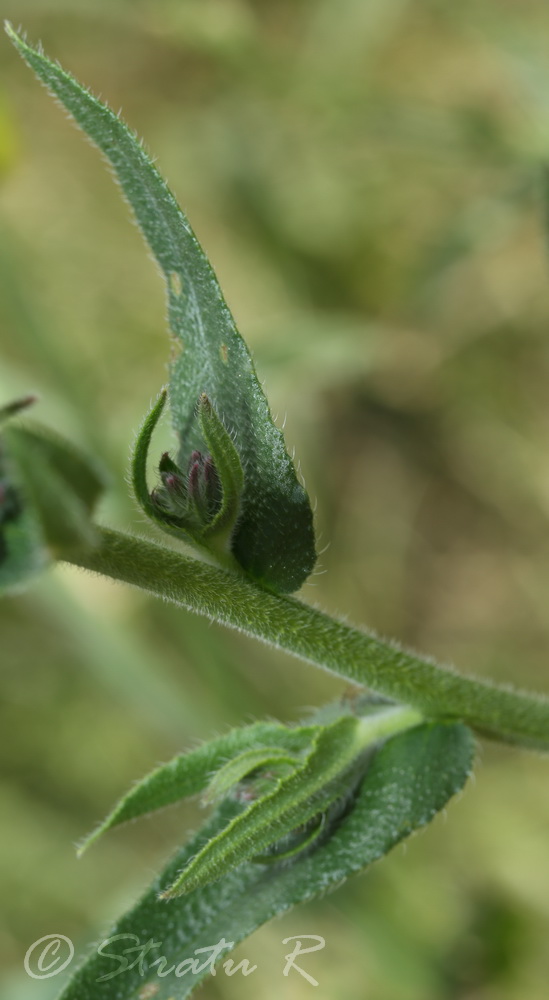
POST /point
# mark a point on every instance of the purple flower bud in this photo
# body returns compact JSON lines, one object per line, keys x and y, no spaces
{"x":203,"y":485}
{"x":194,"y":481}
{"x":173,"y":483}
{"x":189,"y":500}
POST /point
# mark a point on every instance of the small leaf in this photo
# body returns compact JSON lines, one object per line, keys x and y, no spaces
{"x":78,"y":470}
{"x":229,"y":469}
{"x":148,"y":500}
{"x":48,"y":491}
{"x":190,"y":773}
{"x":61,"y":485}
{"x":14,"y":408}
{"x":296,"y":799}
{"x":140,"y":455}
{"x":410,"y":778}
{"x":273,"y":537}
{"x":234,"y":771}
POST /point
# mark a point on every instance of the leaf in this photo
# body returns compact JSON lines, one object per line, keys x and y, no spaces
{"x":10,"y":410}
{"x":229,"y":469}
{"x":235,"y":770}
{"x":60,"y":483}
{"x":48,"y":491}
{"x":190,"y":773}
{"x":139,"y":465}
{"x":326,"y":748}
{"x":297,"y":798}
{"x":410,"y":778}
{"x":273,"y":539}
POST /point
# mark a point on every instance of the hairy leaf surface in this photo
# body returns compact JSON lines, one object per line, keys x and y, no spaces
{"x":190,"y":773}
{"x":410,"y":778}
{"x":273,"y":539}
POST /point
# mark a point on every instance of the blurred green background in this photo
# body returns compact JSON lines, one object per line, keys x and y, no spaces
{"x":366,"y":176}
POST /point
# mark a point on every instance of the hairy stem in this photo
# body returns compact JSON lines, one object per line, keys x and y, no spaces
{"x":359,"y":655}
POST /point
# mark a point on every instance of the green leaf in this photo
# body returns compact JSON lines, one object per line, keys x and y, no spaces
{"x":273,"y":538}
{"x":297,"y":798}
{"x":139,"y":470}
{"x":321,"y":751}
{"x":48,"y":491}
{"x":190,"y":773}
{"x":13,"y":409}
{"x":250,"y":760}
{"x":410,"y":778}
{"x":59,"y":483}
{"x":229,"y":469}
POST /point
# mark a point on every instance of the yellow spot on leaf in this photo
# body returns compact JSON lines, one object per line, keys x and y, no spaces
{"x":174,"y":283}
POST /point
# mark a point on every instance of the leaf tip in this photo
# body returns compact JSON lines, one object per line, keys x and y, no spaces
{"x":90,"y":838}
{"x":82,"y":846}
{"x":166,"y":895}
{"x":15,"y":36}
{"x":11,"y":409}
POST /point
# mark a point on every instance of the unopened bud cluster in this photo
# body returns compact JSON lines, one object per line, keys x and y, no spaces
{"x":188,"y":499}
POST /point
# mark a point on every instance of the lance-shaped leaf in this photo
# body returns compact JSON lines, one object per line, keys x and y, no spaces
{"x":298,"y":797}
{"x":410,"y":778}
{"x":297,"y":777}
{"x":48,"y":491}
{"x":190,"y":773}
{"x":229,"y":469}
{"x":273,"y":539}
{"x":291,"y":807}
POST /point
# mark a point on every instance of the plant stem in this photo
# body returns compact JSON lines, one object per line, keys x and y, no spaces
{"x":387,"y":722}
{"x":495,"y":711}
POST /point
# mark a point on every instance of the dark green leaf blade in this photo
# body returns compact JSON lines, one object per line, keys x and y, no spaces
{"x":274,"y":538}
{"x":411,"y":778}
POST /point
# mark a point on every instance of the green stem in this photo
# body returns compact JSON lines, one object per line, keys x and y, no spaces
{"x":392,"y":720}
{"x":437,"y":692}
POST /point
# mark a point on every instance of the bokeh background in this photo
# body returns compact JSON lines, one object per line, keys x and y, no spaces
{"x":367,"y":177}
